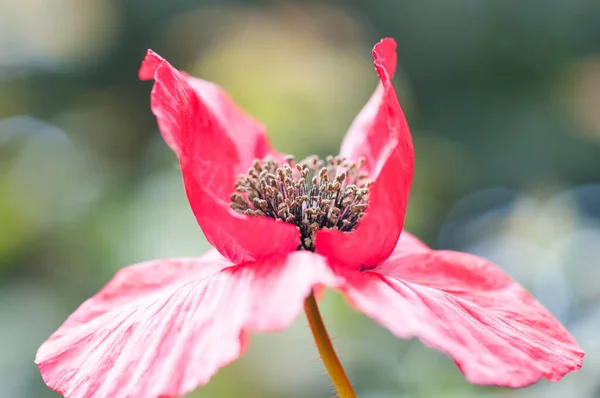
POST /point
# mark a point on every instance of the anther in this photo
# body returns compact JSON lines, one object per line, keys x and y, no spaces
{"x":310,"y":194}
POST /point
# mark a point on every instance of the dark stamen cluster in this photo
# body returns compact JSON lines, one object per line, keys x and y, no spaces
{"x":310,"y":194}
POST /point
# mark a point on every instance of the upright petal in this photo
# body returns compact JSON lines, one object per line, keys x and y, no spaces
{"x":372,"y":130}
{"x":466,"y":307}
{"x":214,"y":142}
{"x":164,"y":327}
{"x":247,"y":134}
{"x":380,"y":134}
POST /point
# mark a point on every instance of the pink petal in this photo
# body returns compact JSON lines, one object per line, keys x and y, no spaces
{"x":408,"y":244}
{"x":372,"y":129}
{"x":381,"y":134}
{"x":466,"y":307}
{"x":214,"y":141}
{"x":164,"y":327}
{"x":247,"y":134}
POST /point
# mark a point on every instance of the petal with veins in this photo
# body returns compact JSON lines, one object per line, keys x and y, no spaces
{"x":164,"y":327}
{"x":468,"y":308}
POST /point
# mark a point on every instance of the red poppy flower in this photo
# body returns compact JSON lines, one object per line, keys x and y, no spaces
{"x":165,"y":327}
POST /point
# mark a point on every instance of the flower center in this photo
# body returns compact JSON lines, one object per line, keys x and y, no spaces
{"x":310,"y":194}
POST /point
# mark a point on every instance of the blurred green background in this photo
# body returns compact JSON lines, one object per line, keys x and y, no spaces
{"x":503,"y":98}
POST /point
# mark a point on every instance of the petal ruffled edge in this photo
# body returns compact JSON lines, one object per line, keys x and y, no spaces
{"x":165,"y":327}
{"x":381,"y":134}
{"x":370,"y":132}
{"x":198,"y":122}
{"x":246,"y":132}
{"x":468,"y":308}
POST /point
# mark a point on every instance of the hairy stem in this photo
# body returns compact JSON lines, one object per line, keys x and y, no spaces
{"x":332,"y":363}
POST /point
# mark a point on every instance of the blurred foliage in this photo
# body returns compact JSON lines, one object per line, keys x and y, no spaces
{"x":502,"y":99}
